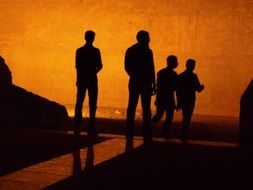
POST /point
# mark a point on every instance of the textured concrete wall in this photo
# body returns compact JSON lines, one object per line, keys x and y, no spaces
{"x":38,"y":39}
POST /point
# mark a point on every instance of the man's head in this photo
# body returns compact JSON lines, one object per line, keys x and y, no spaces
{"x":190,"y":64}
{"x":143,"y":37}
{"x":172,"y":61}
{"x":89,"y":36}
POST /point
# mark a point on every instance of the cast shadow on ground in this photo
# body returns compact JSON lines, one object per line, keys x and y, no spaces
{"x":160,"y":165}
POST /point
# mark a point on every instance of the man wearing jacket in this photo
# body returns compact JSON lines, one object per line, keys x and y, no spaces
{"x":88,"y":64}
{"x":139,"y":65}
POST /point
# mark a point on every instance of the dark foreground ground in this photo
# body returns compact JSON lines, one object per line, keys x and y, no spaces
{"x":165,"y":166}
{"x":47,"y":159}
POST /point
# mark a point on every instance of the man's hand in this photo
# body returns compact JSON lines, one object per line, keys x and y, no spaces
{"x":202,"y":87}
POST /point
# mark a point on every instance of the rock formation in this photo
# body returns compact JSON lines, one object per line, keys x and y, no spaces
{"x":20,"y":108}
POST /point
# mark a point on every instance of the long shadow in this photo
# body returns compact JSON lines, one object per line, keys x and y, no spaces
{"x":23,"y":148}
{"x":162,"y":165}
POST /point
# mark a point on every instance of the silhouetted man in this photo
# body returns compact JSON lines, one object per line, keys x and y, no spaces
{"x":139,"y":65}
{"x":165,"y":98}
{"x":188,"y":84}
{"x":88,"y":64}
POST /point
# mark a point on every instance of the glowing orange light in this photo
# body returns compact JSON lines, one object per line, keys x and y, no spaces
{"x":39,"y":39}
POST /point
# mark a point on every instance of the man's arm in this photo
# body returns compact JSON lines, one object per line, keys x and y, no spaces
{"x":77,"y":66}
{"x":178,"y":93}
{"x":77,"y":60}
{"x":99,"y":62}
{"x":127,"y":62}
{"x":199,"y":87}
{"x":153,"y":74}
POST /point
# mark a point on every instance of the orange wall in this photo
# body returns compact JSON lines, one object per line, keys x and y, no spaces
{"x":38,"y":39}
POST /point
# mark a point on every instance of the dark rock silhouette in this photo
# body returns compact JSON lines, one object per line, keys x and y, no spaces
{"x":20,"y":108}
{"x":5,"y":74}
{"x":246,"y":117}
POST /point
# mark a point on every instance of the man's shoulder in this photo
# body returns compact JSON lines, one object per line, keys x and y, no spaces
{"x":167,"y":71}
{"x":188,"y":75}
{"x":174,"y":73}
{"x":87,"y":48}
{"x":96,"y":51}
{"x":194,"y":74}
{"x":160,"y":72}
{"x":131,"y":50}
{"x":80,"y":49}
{"x":95,"y":48}
{"x":137,"y":50}
{"x":132,"y":47}
{"x":182,"y":74}
{"x":138,"y":46}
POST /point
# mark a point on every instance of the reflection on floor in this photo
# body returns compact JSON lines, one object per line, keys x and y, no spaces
{"x":116,"y":162}
{"x":48,"y":172}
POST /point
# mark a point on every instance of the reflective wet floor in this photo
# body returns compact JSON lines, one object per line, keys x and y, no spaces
{"x":38,"y":159}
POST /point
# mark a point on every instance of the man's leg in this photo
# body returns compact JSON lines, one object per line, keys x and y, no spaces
{"x":159,"y":113}
{"x":78,"y":108}
{"x":93,"y":95}
{"x":187,"y":112}
{"x":132,"y":104}
{"x":145,"y":103}
{"x":168,"y":121}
